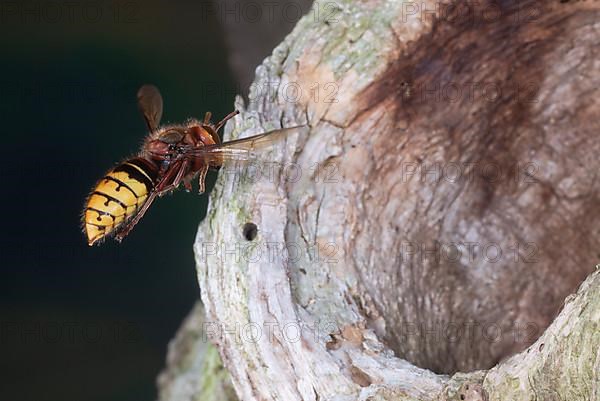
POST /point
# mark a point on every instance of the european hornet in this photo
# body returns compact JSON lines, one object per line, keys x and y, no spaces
{"x":171,"y":155}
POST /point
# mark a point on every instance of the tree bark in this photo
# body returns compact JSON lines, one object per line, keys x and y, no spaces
{"x":370,"y":269}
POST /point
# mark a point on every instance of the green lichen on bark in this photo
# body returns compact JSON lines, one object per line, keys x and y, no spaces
{"x":194,"y":368}
{"x":215,"y":382}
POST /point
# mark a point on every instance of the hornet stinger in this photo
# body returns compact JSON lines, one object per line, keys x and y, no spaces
{"x":170,"y":156}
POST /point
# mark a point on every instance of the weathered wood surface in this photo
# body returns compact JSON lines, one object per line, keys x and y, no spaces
{"x":358,"y":308}
{"x":194,"y":369}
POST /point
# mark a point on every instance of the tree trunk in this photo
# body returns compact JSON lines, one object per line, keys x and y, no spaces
{"x":431,"y":220}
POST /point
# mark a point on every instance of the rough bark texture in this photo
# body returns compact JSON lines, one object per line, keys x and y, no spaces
{"x":442,"y":204}
{"x":194,"y":369}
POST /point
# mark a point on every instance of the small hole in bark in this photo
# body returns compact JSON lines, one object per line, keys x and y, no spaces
{"x":462,"y":396}
{"x":333,"y":344}
{"x":250,"y":231}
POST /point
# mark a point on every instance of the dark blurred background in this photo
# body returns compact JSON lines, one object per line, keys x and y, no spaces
{"x":81,"y":323}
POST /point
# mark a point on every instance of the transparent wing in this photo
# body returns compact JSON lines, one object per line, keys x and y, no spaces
{"x":150,"y":104}
{"x":242,"y":150}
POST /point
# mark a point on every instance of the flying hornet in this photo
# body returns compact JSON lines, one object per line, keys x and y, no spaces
{"x":171,"y":155}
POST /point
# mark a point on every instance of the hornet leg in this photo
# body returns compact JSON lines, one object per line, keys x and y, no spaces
{"x":176,"y":181}
{"x":225,"y":119}
{"x":162,"y":184}
{"x":201,"y":179}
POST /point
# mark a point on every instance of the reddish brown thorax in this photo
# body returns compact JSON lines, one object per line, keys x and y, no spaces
{"x":157,"y":149}
{"x":170,"y":144}
{"x":203,"y":135}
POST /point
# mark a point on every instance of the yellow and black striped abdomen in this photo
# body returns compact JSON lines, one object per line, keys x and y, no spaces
{"x":117,"y":197}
